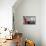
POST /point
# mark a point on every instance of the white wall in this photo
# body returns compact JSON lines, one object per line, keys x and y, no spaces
{"x":29,"y":8}
{"x":6,"y":13}
{"x":26,"y":9}
{"x":43,"y":22}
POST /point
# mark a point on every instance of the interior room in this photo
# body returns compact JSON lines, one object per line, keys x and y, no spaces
{"x":22,"y":22}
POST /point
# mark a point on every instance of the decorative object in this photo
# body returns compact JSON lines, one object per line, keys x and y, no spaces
{"x":8,"y":34}
{"x":29,"y":20}
{"x":29,"y":43}
{"x":18,"y":39}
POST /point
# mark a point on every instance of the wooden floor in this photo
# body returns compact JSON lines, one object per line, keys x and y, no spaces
{"x":9,"y":43}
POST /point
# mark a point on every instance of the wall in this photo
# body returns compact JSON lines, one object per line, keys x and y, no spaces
{"x":43,"y":22}
{"x":6,"y":13}
{"x":6,"y":16}
{"x":28,"y":8}
{"x":42,"y":18}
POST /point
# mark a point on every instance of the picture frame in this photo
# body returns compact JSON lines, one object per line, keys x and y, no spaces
{"x":29,"y":20}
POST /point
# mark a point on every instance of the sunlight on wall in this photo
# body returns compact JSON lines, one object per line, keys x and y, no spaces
{"x":6,"y":13}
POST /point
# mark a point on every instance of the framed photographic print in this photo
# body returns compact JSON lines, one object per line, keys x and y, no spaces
{"x":29,"y":19}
